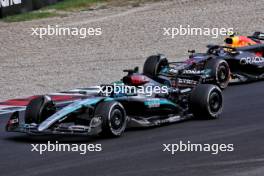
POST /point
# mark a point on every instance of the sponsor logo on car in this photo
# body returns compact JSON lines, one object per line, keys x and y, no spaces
{"x":175,"y":71}
{"x":187,"y":81}
{"x":251,"y":60}
{"x":152,"y":103}
{"x":193,"y":71}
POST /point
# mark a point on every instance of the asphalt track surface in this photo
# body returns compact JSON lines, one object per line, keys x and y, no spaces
{"x":139,"y":152}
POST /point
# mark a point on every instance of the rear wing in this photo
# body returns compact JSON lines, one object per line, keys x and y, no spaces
{"x":257,"y":35}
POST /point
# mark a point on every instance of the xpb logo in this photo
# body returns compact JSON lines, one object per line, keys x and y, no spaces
{"x":7,"y":3}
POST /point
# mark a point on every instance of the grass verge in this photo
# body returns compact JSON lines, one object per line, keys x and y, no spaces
{"x":73,"y":5}
{"x":29,"y":16}
{"x":66,"y":6}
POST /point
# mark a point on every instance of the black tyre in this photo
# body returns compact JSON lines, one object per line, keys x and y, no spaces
{"x":206,"y":101}
{"x":153,"y":65}
{"x":114,"y":118}
{"x":220,"y":71}
{"x":39,"y":109}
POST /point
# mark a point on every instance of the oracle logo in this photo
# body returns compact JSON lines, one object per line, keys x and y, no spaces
{"x":7,"y":3}
{"x":251,"y":60}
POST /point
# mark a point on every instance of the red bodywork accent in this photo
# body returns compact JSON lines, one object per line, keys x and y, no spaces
{"x":25,"y":101}
{"x":241,"y":41}
{"x":137,"y":80}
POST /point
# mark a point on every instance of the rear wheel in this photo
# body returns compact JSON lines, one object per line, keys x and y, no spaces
{"x":220,"y":71}
{"x":206,"y":102}
{"x":114,"y":118}
{"x":39,"y":109}
{"x":154,"y":64}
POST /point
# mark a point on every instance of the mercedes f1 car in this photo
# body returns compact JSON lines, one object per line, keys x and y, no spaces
{"x":241,"y":59}
{"x":109,"y":113}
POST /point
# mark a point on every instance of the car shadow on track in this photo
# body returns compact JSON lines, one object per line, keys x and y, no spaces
{"x":24,"y":138}
{"x":245,"y":83}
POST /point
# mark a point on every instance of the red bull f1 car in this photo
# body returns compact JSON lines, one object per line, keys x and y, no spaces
{"x":241,"y":59}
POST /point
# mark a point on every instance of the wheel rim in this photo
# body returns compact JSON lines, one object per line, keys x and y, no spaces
{"x":215,"y":102}
{"x":222,"y":74}
{"x":117,"y":120}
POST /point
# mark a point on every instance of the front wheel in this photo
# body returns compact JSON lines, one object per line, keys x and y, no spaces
{"x":114,"y":120}
{"x":39,"y":109}
{"x":154,"y":64}
{"x":206,"y":101}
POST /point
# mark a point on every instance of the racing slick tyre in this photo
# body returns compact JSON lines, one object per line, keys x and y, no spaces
{"x":114,"y":120}
{"x":39,"y":109}
{"x":153,"y":65}
{"x":220,"y":71}
{"x":206,"y":101}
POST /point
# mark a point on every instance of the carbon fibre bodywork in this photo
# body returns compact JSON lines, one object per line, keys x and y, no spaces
{"x":245,"y":61}
{"x":77,"y":117}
